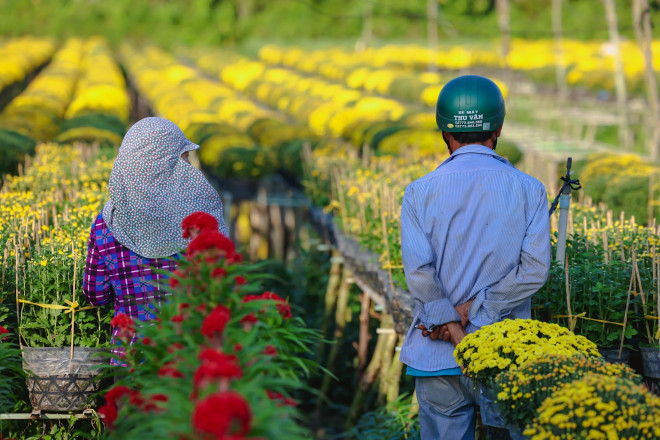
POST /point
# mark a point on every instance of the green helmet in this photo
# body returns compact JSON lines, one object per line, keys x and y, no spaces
{"x":470,"y":103}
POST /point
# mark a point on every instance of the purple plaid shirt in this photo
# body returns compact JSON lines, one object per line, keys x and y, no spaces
{"x":115,"y":273}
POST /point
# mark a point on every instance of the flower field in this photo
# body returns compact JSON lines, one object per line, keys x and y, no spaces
{"x":22,"y":55}
{"x":93,"y":108}
{"x":352,"y":129}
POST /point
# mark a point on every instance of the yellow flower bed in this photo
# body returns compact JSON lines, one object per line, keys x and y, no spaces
{"x":374,"y":70}
{"x":22,"y":55}
{"x":53,"y":204}
{"x":221,"y":120}
{"x":35,"y":113}
{"x":45,"y":219}
{"x":588,"y":63}
{"x":598,"y":407}
{"x":512,"y":343}
{"x":328,"y":109}
{"x":100,"y":98}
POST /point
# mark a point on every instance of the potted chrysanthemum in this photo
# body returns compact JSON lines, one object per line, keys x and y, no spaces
{"x":598,"y":406}
{"x":509,"y":344}
{"x":521,"y":391}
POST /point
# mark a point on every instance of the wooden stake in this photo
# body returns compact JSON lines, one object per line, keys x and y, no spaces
{"x":330,"y":298}
{"x":641,"y":293}
{"x":340,"y":325}
{"x":625,"y":314}
{"x":18,"y":313}
{"x":571,"y":324}
{"x":363,"y":341}
{"x":73,"y":312}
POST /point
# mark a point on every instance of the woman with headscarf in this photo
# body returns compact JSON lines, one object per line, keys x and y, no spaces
{"x":153,"y":187}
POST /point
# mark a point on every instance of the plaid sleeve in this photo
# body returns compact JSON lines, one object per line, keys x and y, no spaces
{"x":96,"y":282}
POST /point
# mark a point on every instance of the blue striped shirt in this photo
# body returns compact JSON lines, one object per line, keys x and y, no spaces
{"x":474,"y":228}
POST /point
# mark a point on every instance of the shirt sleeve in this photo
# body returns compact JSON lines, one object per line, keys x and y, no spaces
{"x":494,"y":303}
{"x":96,"y":281}
{"x":418,"y":265}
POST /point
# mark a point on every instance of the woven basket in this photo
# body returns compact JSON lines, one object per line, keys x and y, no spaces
{"x":57,"y":382}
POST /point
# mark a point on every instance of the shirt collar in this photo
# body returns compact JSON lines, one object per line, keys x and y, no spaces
{"x":475,"y":149}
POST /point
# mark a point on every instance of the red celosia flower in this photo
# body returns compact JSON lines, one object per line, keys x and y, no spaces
{"x":148,"y":341}
{"x":201,"y":308}
{"x":223,"y":414}
{"x":117,"y":392}
{"x":211,"y":244}
{"x":183,"y":306}
{"x":136,"y":399}
{"x":198,"y":222}
{"x":3,"y":331}
{"x":109,"y":413}
{"x":238,"y":347}
{"x":124,"y":322}
{"x":270,"y":350}
{"x":219,"y":273}
{"x":174,"y":279}
{"x":150,"y":403}
{"x":177,"y":318}
{"x":216,"y":321}
{"x":216,"y":365}
{"x":169,"y":370}
{"x":282,"y":305}
{"x":239,"y":280}
{"x":249,"y":319}
{"x":274,"y":395}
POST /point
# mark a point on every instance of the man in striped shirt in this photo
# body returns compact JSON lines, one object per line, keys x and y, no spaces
{"x":475,"y":242}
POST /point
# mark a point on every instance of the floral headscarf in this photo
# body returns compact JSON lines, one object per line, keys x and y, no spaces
{"x":152,"y":189}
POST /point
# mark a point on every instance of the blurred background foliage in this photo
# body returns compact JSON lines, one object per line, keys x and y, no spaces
{"x":231,"y":22}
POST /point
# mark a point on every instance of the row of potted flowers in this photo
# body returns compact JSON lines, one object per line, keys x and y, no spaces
{"x":79,"y":95}
{"x":34,"y":115}
{"x":99,"y":108}
{"x":364,"y":70}
{"x":330,"y":109}
{"x":237,"y":137}
{"x":21,"y":56}
{"x":589,"y":64}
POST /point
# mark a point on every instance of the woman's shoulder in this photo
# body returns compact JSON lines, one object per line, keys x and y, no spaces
{"x":98,"y":225}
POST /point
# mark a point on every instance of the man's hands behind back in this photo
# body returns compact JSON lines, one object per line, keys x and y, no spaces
{"x":453,"y":332}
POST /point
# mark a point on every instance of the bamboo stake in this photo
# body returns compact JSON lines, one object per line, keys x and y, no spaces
{"x":18,"y":313}
{"x":363,"y":341}
{"x":392,"y":376}
{"x":387,"y":250}
{"x":642,"y":294}
{"x":655,"y":272}
{"x":330,"y":297}
{"x":342,"y":202}
{"x":4,"y":263}
{"x":371,"y":373}
{"x":73,"y":310}
{"x":657,"y":296}
{"x":571,"y":325}
{"x":625,"y":314}
{"x":340,"y":325}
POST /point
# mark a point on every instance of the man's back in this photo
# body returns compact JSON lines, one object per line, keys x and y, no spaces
{"x":480,"y":217}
